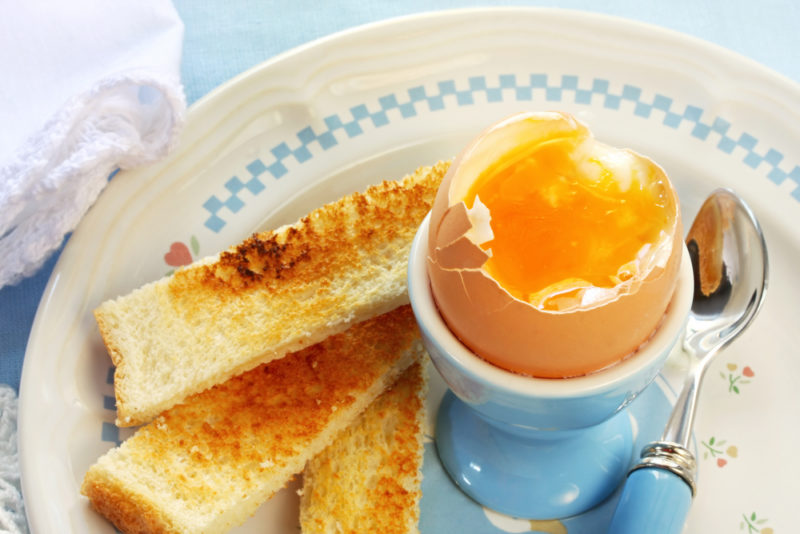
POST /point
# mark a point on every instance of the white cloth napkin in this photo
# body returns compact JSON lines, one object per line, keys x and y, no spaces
{"x":12,"y":514}
{"x":88,"y":86}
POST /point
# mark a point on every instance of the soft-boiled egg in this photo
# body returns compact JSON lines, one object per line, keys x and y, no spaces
{"x":549,"y":253}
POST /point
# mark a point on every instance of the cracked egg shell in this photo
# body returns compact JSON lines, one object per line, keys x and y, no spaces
{"x":571,"y":324}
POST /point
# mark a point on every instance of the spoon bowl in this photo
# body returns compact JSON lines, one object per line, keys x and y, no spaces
{"x":727,"y":249}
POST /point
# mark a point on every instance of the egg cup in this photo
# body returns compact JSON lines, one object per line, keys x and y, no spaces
{"x":530,"y":447}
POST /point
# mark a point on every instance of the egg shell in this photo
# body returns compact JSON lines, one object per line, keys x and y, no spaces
{"x":513,"y":334}
{"x":461,"y":252}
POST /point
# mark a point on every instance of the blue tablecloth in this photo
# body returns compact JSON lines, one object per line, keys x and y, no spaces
{"x":225,"y":38}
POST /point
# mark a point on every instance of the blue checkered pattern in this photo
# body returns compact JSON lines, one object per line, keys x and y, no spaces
{"x":109,"y":431}
{"x":448,"y":93}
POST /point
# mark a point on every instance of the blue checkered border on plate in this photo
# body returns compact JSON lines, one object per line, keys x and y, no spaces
{"x":420,"y":99}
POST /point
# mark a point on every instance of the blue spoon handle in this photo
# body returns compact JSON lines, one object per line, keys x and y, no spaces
{"x":654,"y":501}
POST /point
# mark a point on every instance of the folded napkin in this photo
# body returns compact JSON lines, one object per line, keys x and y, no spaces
{"x":88,"y":86}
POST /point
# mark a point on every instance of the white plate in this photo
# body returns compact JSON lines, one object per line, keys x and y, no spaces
{"x":375,"y":103}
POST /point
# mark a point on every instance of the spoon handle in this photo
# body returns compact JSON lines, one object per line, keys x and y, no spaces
{"x":681,"y":421}
{"x":654,"y":501}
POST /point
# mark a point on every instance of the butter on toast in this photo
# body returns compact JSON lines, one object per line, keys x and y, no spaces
{"x":369,"y":479}
{"x":274,"y":293}
{"x":206,"y":465}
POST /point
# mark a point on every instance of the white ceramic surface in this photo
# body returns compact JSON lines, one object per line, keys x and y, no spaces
{"x":375,"y":103}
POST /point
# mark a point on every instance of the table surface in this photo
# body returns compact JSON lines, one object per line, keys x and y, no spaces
{"x":225,"y":39}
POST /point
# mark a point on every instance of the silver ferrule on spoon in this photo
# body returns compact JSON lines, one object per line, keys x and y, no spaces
{"x":672,"y":457}
{"x":673,"y":452}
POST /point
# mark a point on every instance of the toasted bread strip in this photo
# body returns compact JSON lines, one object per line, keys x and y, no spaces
{"x":274,"y":293}
{"x":205,"y":466}
{"x":368,"y":479}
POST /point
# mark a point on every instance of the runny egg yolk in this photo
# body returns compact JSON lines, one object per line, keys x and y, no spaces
{"x":557,"y":231}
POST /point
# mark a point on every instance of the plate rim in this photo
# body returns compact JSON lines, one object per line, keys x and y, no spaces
{"x":708,"y":46}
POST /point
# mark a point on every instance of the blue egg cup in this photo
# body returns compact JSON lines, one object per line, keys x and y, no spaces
{"x":528,"y":447}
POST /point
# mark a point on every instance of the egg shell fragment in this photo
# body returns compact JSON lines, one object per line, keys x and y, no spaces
{"x":513,"y":334}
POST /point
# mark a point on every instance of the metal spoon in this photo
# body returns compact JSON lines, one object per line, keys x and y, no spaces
{"x":729,"y":257}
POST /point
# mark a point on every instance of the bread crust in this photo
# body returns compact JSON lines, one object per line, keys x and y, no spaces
{"x":130,"y":512}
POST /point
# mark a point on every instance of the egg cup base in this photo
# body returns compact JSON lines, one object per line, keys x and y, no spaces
{"x":532,"y":474}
